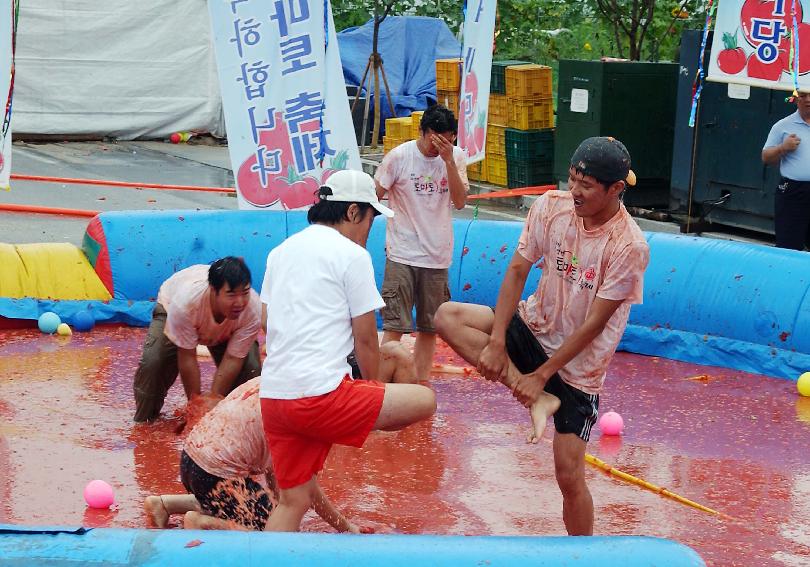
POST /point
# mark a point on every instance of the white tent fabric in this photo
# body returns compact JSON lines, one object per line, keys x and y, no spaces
{"x":118,"y":68}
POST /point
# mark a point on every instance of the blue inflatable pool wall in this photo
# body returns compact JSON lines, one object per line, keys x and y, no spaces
{"x":714,"y":302}
{"x":145,"y":548}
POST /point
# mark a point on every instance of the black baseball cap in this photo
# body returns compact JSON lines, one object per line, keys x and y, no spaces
{"x":604,"y":158}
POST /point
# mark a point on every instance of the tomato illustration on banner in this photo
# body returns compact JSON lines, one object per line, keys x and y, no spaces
{"x":732,"y":59}
{"x":269,"y":176}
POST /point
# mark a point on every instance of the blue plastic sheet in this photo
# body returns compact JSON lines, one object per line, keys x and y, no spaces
{"x":409,"y":47}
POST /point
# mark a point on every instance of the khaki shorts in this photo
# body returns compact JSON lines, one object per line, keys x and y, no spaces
{"x":407,"y":286}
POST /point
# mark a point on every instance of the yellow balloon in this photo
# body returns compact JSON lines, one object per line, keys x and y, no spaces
{"x":63,"y":330}
{"x":803,"y":384}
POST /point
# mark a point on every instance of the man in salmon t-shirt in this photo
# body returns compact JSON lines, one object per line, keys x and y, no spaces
{"x":200,"y":305}
{"x":553,"y":349}
{"x":423,"y":178}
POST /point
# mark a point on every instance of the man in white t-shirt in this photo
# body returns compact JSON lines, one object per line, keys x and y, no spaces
{"x":320,"y":297}
{"x":553,"y":349}
{"x":423,"y":179}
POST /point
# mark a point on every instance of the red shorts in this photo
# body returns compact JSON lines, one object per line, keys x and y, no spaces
{"x":301,"y":432}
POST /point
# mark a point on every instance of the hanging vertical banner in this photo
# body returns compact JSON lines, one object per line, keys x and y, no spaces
{"x":479,"y":30}
{"x":6,"y":51}
{"x":284,"y":98}
{"x":763,"y":43}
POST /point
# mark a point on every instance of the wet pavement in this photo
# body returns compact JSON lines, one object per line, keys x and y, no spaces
{"x":732,"y":441}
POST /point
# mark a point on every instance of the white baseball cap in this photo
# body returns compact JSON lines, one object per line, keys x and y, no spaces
{"x":353,"y":186}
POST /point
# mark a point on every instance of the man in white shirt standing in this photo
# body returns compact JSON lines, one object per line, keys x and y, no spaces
{"x":423,"y":179}
{"x":320,"y":297}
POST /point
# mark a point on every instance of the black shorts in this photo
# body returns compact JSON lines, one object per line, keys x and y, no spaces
{"x":242,"y":500}
{"x":352,"y":360}
{"x":578,"y":410}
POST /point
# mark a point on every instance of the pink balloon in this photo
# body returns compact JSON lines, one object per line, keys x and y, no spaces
{"x":611,"y":423}
{"x":98,"y":494}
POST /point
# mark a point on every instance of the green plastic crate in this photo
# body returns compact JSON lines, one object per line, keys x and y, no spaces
{"x":525,"y":145}
{"x":497,"y":83}
{"x":528,"y":173}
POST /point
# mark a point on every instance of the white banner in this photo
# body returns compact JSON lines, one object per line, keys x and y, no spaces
{"x":753,"y":43}
{"x":5,"y":82}
{"x":479,"y":31}
{"x":286,"y":109}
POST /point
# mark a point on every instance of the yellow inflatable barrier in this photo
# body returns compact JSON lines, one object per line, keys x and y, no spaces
{"x":48,"y":271}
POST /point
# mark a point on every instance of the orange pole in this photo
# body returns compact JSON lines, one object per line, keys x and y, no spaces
{"x":108,"y":183}
{"x":534,"y":190}
{"x":6,"y":207}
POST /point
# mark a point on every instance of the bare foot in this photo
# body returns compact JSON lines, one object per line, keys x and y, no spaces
{"x":545,"y":406}
{"x":156,"y":511}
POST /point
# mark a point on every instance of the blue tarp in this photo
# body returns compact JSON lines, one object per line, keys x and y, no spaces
{"x":409,"y":47}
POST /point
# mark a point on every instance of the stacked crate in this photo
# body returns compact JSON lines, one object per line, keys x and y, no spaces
{"x":497,"y":84}
{"x":397,"y":131}
{"x":448,"y":83}
{"x":477,"y":171}
{"x":529,"y":138}
{"x":416,"y":118}
{"x":529,"y":157}
{"x":494,"y":166}
{"x":496,"y":154}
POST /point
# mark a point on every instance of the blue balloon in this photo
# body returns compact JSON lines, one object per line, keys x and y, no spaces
{"x":83,"y":321}
{"x":48,"y":322}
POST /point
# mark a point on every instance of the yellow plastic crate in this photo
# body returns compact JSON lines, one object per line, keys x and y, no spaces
{"x":477,"y":171}
{"x":448,"y":74}
{"x":498,"y":109}
{"x":496,"y":140}
{"x":416,"y":118}
{"x":528,"y":82}
{"x":531,"y":115}
{"x":389,"y":143}
{"x":448,"y":99}
{"x":398,"y":128}
{"x":496,"y":170}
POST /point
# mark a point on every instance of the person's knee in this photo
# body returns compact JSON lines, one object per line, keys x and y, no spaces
{"x":427,"y":403}
{"x":396,"y":364}
{"x":446,"y":318}
{"x":570,"y":478}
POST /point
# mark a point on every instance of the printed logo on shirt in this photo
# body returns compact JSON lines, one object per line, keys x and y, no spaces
{"x":567,"y":265}
{"x":568,"y":268}
{"x":426,"y":184}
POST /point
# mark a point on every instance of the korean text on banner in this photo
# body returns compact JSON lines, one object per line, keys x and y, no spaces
{"x":479,"y":30}
{"x":754,"y":43}
{"x":5,"y":93}
{"x":286,"y":109}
